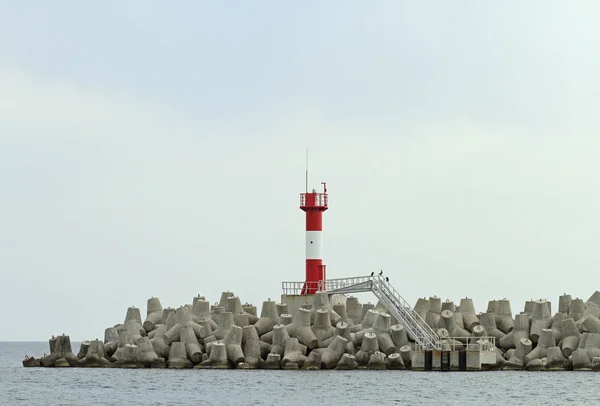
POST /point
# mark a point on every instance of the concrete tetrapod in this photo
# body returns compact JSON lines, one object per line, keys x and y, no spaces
{"x":594,"y":300}
{"x":564,"y":303}
{"x":406,"y":354}
{"x":250,"y":309}
{"x":192,"y":346}
{"x":166,"y":313}
{"x":83,"y":349}
{"x":555,"y":361}
{"x":394,"y":361}
{"x":546,"y":340}
{"x":321,"y":301}
{"x":444,"y":335}
{"x":576,"y":309}
{"x":364,"y":327}
{"x":593,"y":310}
{"x":368,"y":347}
{"x":225,"y":323}
{"x":448,"y":305}
{"x":252,"y":348}
{"x":368,"y":306}
{"x":399,"y":336}
{"x":517,"y":359}
{"x":201,"y":315}
{"x":124,"y":339}
{"x":536,"y":365}
{"x":292,"y":353}
{"x":178,"y":358}
{"x":215,"y":312}
{"x":503,"y":316}
{"x":341,"y":329}
{"x":322,"y":327}
{"x":224,"y":297}
{"x":556,"y":323}
{"x":581,"y":361}
{"x":381,"y":328}
{"x":354,"y":310}
{"x":521,"y":330}
{"x":377,"y":361}
{"x":111,"y":341}
{"x":422,"y":307}
{"x":249,"y":333}
{"x":217,"y":358}
{"x":241,"y":320}
{"x":570,"y":336}
{"x":280,"y":336}
{"x":331,"y":355}
{"x":268,"y":317}
{"x":133,"y":323}
{"x":234,"y":305}
{"x":488,"y":321}
{"x":273,"y":361}
{"x":233,"y":345}
{"x":154,"y":312}
{"x":129,"y":357}
{"x":286,"y":319}
{"x":540,"y":319}
{"x":591,"y":324}
{"x":591,"y":343}
{"x":95,"y":357}
{"x":158,"y":341}
{"x":467,"y":310}
{"x":455,"y":331}
{"x":347,"y":362}
{"x":145,"y":352}
{"x":477,"y":332}
{"x":433,"y":316}
{"x":340,"y":308}
{"x":300,"y":328}
{"x":282,"y":308}
{"x":179,"y":319}
{"x":313,"y":361}
{"x":366,"y":323}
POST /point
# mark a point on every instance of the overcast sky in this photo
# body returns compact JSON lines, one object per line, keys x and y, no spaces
{"x":152,"y":148}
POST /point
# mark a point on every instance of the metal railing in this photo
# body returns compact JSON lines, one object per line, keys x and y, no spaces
{"x":299,"y":288}
{"x":423,"y":335}
{"x":484,"y":343}
{"x":319,"y":200}
{"x":416,"y":327}
{"x":340,"y":283}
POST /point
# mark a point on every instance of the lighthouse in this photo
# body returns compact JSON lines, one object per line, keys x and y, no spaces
{"x":314,"y":204}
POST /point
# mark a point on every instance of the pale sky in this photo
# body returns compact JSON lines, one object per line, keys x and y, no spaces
{"x":157,"y":149}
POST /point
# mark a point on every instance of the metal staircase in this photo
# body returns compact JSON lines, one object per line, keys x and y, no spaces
{"x":424,"y":336}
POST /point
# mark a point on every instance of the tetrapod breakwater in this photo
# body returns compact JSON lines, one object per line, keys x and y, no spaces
{"x":338,"y":332}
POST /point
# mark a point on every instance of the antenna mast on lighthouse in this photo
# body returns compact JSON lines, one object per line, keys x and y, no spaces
{"x":314,"y":204}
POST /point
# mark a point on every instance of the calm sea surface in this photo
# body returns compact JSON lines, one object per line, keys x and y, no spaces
{"x":77,"y":386}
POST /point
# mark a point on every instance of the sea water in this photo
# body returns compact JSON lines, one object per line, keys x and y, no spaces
{"x":79,"y":386}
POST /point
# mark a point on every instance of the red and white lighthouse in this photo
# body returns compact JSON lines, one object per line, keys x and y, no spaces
{"x":314,"y":204}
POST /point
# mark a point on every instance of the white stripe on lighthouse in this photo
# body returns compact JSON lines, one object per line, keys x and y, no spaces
{"x":314,"y":245}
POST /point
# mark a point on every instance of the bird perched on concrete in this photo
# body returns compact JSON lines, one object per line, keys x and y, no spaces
{"x":381,"y":272}
{"x":372,"y":273}
{"x":387,"y":279}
